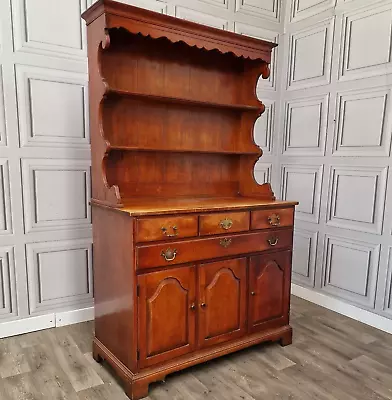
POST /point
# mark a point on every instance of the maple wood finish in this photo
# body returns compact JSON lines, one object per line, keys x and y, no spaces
{"x":192,"y":258}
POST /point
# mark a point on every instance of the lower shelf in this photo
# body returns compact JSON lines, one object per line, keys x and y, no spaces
{"x":136,"y":383}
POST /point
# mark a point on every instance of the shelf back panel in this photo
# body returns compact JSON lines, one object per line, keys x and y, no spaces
{"x":147,"y":124}
{"x":145,"y":174}
{"x":158,"y":67}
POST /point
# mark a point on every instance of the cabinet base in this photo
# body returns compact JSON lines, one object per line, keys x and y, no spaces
{"x":136,"y":384}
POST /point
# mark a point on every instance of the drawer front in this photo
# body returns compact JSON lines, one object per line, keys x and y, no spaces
{"x":272,"y":218}
{"x":179,"y":252}
{"x":151,"y":229}
{"x":222,"y":223}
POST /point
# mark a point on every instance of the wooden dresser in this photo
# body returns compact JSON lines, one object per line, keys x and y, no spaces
{"x":192,"y":258}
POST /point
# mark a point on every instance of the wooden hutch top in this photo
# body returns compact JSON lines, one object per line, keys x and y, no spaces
{"x":172,"y":108}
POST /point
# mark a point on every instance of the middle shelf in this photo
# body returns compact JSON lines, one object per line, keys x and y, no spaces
{"x":111,"y":91}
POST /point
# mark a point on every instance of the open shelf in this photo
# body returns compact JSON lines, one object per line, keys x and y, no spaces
{"x":177,"y":100}
{"x":201,"y":151}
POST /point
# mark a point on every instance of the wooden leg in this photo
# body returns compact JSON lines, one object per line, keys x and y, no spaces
{"x":96,"y":355}
{"x":137,"y":390}
{"x":287,"y":338}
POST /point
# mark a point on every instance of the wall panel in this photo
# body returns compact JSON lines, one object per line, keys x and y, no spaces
{"x":337,"y":116}
{"x":303,"y":183}
{"x":350,"y":269}
{"x":310,"y":53}
{"x":304,"y":256}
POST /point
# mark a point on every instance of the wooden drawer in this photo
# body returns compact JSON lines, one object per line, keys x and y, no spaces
{"x":178,"y":252}
{"x":163,"y":228}
{"x":272,"y":218}
{"x":222,"y":223}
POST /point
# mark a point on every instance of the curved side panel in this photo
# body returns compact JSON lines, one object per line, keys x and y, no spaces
{"x":99,"y":39}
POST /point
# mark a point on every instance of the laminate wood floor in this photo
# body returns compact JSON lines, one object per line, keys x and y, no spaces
{"x":332,"y":357}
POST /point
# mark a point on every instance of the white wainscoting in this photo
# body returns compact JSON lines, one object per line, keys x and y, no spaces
{"x":335,"y":149}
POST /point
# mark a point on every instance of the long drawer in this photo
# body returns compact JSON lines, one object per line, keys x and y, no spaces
{"x":178,"y":252}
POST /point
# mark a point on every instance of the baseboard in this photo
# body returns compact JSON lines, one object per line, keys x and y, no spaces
{"x":32,"y":324}
{"x":74,"y":316}
{"x":366,"y":317}
{"x":27,"y":325}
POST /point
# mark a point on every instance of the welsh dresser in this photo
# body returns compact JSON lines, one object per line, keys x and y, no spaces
{"x":192,"y":258}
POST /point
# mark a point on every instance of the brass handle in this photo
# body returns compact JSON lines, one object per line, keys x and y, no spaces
{"x":226,"y":224}
{"x":274,"y":220}
{"x":253,"y":293}
{"x":203,"y":305}
{"x":225,"y":242}
{"x":166,"y":233}
{"x":273,"y":241}
{"x":169,"y":254}
{"x":193,"y":307}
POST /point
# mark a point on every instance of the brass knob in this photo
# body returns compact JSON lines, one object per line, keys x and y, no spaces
{"x":274,"y":220}
{"x":166,"y":233}
{"x":253,"y":293}
{"x":203,"y":305}
{"x":169,"y":254}
{"x":193,"y":307}
{"x":225,"y":242}
{"x":273,"y":241}
{"x":226,"y":224}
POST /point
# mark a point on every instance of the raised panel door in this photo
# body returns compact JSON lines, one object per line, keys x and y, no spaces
{"x":222,"y":301}
{"x":269,"y":291}
{"x":166,"y":314}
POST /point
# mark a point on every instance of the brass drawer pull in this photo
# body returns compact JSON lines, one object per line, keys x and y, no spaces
{"x":226,"y":224}
{"x":225,"y":242}
{"x":274,"y":220}
{"x":166,"y":233}
{"x":273,"y":241}
{"x":169,"y":254}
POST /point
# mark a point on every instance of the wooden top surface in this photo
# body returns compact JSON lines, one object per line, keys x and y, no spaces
{"x":149,"y":23}
{"x":159,"y":206}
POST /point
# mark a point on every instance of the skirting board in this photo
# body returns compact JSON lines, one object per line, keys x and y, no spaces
{"x":74,"y":316}
{"x":366,"y":317}
{"x":32,"y":324}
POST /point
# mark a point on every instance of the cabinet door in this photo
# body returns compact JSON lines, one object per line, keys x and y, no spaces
{"x":269,"y":291}
{"x":222,"y":301}
{"x":167,"y":309}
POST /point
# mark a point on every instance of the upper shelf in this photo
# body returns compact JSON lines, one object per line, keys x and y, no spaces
{"x":176,"y":100}
{"x":148,"y":23}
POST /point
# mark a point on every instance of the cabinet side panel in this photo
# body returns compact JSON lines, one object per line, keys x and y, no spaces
{"x":114,"y":284}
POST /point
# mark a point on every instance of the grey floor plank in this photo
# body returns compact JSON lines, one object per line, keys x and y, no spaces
{"x":332,"y":358}
{"x":12,"y":358}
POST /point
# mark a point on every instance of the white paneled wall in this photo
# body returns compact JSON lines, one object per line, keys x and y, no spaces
{"x":335,"y":148}
{"x":45,"y":219}
{"x":326,"y":136}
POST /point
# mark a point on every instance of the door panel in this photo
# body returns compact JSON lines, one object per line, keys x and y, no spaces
{"x":222,"y":302}
{"x":269,"y":290}
{"x":166,"y":314}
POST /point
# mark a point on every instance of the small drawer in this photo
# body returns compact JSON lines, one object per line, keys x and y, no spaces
{"x":185,"y":251}
{"x":164,"y":228}
{"x":272,"y":218}
{"x":221,"y":223}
